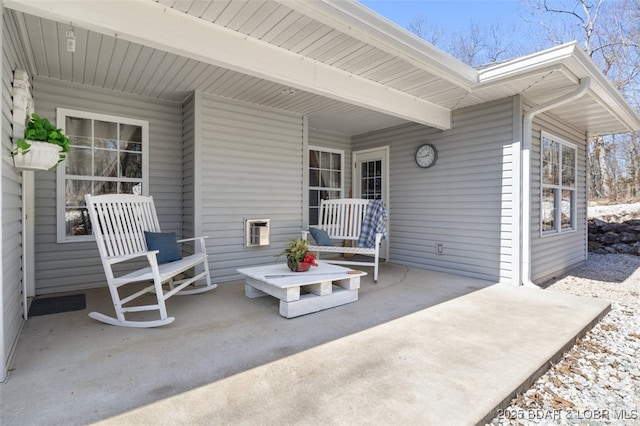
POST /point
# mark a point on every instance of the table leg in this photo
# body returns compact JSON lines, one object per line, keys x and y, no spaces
{"x":310,"y":303}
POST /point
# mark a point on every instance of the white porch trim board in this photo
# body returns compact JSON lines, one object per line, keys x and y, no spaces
{"x":3,"y":357}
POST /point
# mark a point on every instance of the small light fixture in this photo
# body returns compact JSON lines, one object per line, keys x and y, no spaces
{"x":289,"y":91}
{"x":71,"y":40}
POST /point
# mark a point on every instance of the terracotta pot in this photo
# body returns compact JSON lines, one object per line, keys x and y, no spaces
{"x":303,"y":267}
{"x":296,"y":266}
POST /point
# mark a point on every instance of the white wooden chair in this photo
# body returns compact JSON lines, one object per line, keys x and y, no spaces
{"x":118,"y":224}
{"x":342,"y":220}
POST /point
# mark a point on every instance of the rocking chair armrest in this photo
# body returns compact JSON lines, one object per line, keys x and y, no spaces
{"x":117,"y":259}
{"x":192,"y":239}
{"x":304,"y":234}
{"x":200,"y":240}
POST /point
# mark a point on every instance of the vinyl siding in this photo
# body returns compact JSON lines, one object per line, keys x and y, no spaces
{"x":251,"y":169}
{"x":71,"y":266}
{"x":553,"y":254}
{"x":464,"y":202}
{"x":11,"y":241}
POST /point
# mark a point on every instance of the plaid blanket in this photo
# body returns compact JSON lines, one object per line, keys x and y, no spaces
{"x":375,"y":221}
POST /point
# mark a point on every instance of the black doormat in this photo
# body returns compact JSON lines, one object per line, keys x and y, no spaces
{"x":56,"y":305}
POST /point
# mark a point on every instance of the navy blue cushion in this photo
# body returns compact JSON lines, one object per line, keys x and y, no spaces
{"x":166,"y":243}
{"x":321,"y":237}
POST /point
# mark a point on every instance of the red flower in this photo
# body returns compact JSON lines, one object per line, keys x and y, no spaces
{"x":309,"y":258}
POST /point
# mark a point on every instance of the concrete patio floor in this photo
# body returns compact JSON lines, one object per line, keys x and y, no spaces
{"x":419,"y":347}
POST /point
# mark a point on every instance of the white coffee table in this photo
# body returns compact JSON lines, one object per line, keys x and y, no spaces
{"x":324,"y":286}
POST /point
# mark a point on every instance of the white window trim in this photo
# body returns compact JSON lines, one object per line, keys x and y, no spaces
{"x":61,"y":114}
{"x":333,"y":151}
{"x":557,"y":218}
{"x":342,"y":163}
{"x":381,"y":153}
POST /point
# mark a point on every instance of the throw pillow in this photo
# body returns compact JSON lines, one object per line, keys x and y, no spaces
{"x":321,"y":237}
{"x":166,"y":243}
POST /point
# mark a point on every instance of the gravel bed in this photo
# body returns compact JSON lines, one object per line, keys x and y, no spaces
{"x":597,"y":381}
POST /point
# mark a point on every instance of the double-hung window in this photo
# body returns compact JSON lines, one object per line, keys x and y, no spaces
{"x":558,"y":172}
{"x":109,"y":155}
{"x":326,"y":178}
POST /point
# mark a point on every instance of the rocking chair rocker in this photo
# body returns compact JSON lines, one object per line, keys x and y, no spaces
{"x":119,"y":223}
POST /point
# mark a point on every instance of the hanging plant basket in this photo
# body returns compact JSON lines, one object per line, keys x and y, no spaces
{"x":43,"y":145}
{"x":40,"y":156}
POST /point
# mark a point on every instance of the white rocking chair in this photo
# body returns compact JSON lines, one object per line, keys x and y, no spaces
{"x":118,"y":223}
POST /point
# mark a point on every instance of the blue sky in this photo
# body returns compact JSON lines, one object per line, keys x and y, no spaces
{"x":512,"y":21}
{"x":452,"y":14}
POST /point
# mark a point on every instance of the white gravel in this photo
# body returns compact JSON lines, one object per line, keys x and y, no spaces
{"x":597,"y":382}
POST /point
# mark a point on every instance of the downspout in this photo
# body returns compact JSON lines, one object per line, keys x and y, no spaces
{"x":527,"y":129}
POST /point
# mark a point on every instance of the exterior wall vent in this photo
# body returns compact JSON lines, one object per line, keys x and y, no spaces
{"x":257,"y":232}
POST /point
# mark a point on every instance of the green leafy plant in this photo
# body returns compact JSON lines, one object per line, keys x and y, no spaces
{"x":297,"y":251}
{"x":41,"y":130}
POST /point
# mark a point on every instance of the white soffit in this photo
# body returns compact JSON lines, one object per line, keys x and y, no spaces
{"x":155,"y":25}
{"x":352,"y":18}
{"x":546,"y":75}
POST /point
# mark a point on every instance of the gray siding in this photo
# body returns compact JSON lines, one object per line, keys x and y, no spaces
{"x":251,"y":169}
{"x":70,"y":266}
{"x":464,"y":202}
{"x":11,"y":240}
{"x":553,"y":254}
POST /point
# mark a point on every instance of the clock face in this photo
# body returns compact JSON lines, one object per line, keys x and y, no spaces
{"x":426,"y":155}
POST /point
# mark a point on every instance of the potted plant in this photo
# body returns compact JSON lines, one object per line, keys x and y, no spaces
{"x":299,"y":258}
{"x":43,"y":145}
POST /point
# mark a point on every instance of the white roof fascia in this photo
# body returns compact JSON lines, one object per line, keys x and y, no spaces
{"x":355,"y":20}
{"x":529,"y":63}
{"x":569,"y":57}
{"x":605,"y":90}
{"x":151,"y":24}
{"x":537,"y":72}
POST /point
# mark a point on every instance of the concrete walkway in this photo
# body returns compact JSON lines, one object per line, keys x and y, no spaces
{"x":418,"y":348}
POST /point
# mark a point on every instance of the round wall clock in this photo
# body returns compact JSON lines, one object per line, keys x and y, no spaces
{"x":426,"y":155}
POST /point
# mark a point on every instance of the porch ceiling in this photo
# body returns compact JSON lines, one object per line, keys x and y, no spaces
{"x":113,"y":63}
{"x":353,"y":71}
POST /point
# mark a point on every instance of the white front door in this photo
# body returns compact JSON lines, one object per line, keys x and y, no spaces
{"x":371,"y":180}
